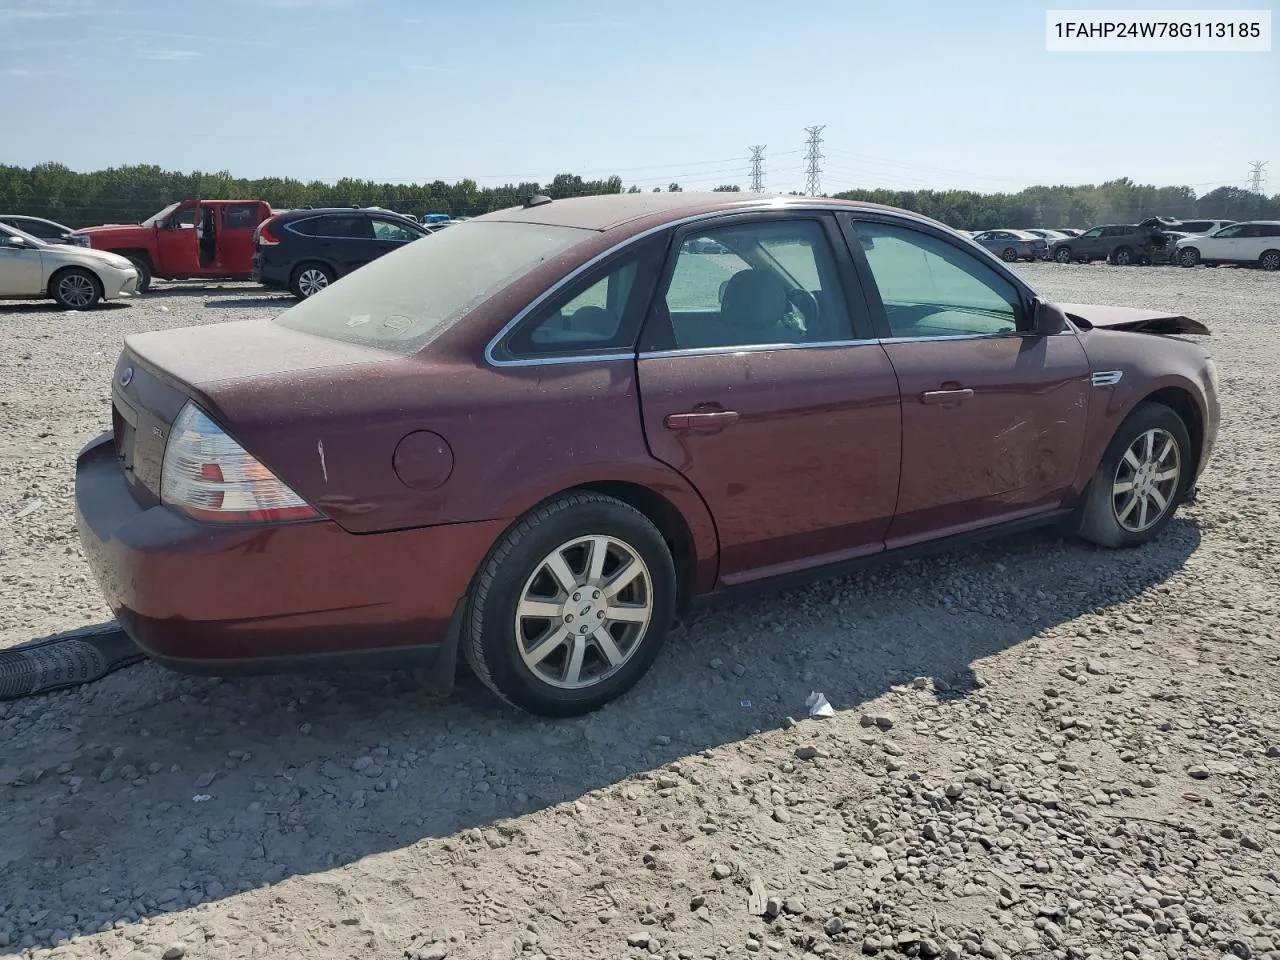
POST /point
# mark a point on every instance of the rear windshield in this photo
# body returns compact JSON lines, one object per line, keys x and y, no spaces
{"x":402,"y":301}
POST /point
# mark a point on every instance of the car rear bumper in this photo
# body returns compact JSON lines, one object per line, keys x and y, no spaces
{"x":269,"y":274}
{"x":205,"y":598}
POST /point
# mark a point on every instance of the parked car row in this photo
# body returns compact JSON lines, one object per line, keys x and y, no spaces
{"x":1155,"y":240}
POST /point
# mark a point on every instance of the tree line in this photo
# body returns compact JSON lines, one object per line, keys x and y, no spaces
{"x":130,"y":194}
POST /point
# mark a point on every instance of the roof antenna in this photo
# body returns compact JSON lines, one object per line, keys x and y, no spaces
{"x":535,"y":200}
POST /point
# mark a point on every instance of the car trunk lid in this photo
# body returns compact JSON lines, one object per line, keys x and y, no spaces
{"x":157,"y":373}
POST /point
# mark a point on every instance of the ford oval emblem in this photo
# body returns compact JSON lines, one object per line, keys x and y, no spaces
{"x":126,"y":376}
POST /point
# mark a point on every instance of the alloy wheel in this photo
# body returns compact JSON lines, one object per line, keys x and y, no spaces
{"x":584,"y":611}
{"x":1270,"y":260}
{"x":312,"y":280}
{"x":1123,"y":258}
{"x":1146,"y":480}
{"x":77,"y":290}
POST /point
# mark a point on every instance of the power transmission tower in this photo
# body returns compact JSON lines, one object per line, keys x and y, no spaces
{"x":812,"y":157}
{"x":1256,"y":176}
{"x":757,"y":169}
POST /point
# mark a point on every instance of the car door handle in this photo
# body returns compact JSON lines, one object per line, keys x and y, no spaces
{"x":946,"y":396}
{"x":693,"y":421}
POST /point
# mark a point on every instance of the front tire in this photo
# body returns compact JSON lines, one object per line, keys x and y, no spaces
{"x":1009,"y":255}
{"x":75,"y":289}
{"x":1188,"y":256}
{"x":571,"y":606}
{"x":1141,"y":480}
{"x":144,"y":273}
{"x":310,"y":278}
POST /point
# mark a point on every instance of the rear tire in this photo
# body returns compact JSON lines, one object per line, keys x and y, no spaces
{"x":534,"y":635}
{"x":1063,"y":255}
{"x":1009,"y":255}
{"x":75,"y":289}
{"x":310,"y":278}
{"x":1107,"y":514}
{"x":1122,"y":256}
{"x":1270,"y":260}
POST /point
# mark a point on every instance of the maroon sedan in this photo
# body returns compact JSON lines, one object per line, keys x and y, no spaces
{"x":536,"y":436}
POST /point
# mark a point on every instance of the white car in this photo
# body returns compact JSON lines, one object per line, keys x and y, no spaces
{"x":1253,"y":243}
{"x":75,"y":277}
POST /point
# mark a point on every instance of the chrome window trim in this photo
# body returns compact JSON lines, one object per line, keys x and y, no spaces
{"x":784,"y":205}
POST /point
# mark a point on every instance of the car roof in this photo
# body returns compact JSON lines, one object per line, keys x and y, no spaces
{"x":607,"y":211}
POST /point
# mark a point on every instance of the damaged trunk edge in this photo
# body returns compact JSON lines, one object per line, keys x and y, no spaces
{"x":1132,"y":319}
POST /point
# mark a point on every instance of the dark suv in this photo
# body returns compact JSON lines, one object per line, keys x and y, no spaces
{"x":1121,"y":244}
{"x":306,"y":250}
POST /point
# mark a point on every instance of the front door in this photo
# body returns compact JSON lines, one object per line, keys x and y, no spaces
{"x":993,"y":415}
{"x":758,"y":386}
{"x":21,"y":269}
{"x":390,"y":234}
{"x":1091,"y":243}
{"x":177,"y":243}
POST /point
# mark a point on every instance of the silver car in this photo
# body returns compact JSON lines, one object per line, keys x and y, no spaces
{"x":74,"y":277}
{"x":1011,"y":245}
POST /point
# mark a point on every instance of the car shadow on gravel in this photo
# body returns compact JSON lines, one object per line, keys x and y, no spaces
{"x":23,"y":309}
{"x":282,"y":301}
{"x":150,"y":792}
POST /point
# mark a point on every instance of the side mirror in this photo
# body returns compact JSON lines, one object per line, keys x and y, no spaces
{"x":1049,"y":319}
{"x":17,"y":241}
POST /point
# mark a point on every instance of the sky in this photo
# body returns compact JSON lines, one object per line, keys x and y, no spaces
{"x":913,"y":93}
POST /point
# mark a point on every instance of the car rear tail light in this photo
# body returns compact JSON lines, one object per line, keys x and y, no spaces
{"x":264,"y":236}
{"x":208,"y":476}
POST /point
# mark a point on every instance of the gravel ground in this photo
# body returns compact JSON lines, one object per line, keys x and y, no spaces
{"x":1039,"y":748}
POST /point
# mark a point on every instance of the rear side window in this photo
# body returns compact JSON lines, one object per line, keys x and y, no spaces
{"x":344,"y":227}
{"x":600,"y":313}
{"x":404,"y":300}
{"x":1270,"y":230}
{"x":240,"y":216}
{"x":307,"y":226}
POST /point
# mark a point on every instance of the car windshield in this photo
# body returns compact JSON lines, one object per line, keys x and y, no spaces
{"x":156,"y":218}
{"x":15,"y":232}
{"x":402,"y":301}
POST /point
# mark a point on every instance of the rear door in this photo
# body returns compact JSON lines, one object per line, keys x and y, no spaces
{"x":345,"y":240}
{"x":761,"y":383}
{"x":235,"y":244}
{"x":993,"y":415}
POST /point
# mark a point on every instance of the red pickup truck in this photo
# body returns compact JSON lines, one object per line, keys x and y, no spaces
{"x":206,"y":239}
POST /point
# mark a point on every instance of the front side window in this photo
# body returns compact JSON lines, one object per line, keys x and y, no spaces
{"x":1092,"y":234}
{"x":390,"y":230}
{"x":402,"y":301}
{"x":185,"y":218}
{"x":1229,"y":233}
{"x":931,"y":288}
{"x":776,"y":282}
